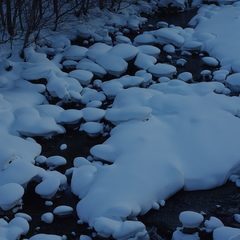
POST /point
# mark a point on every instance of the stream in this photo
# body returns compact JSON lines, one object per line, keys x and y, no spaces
{"x":221,"y":202}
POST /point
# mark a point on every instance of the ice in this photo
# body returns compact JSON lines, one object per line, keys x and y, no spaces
{"x":145,"y":39}
{"x":162,"y":70}
{"x":11,"y":195}
{"x":75,"y":52}
{"x":83,"y":76}
{"x":169,"y":35}
{"x":190,"y":219}
{"x":47,"y":217}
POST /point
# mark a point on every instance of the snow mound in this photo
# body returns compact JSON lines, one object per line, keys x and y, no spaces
{"x":75,"y":52}
{"x":162,"y":123}
{"x":169,"y":35}
{"x":113,"y":64}
{"x":91,"y":66}
{"x":162,"y":70}
{"x":11,"y":195}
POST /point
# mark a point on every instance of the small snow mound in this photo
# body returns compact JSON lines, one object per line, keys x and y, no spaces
{"x":113,"y":64}
{"x":11,"y":195}
{"x":190,"y":219}
{"x":91,"y":114}
{"x":83,"y":76}
{"x":47,"y":217}
{"x":93,"y":129}
{"x":48,"y":188}
{"x":145,"y":39}
{"x":75,"y":52}
{"x":63,"y":211}
{"x":210,"y":61}
{"x":212,"y":224}
{"x":169,"y":35}
{"x":162,"y":70}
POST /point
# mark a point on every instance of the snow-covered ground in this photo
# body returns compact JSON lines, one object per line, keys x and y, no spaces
{"x":170,"y":131}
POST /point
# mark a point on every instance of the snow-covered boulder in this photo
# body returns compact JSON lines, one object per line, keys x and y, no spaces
{"x":169,"y":35}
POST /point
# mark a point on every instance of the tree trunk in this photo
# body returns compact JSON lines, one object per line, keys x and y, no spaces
{"x":9,"y":18}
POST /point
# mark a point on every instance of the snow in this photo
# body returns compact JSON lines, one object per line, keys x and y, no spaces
{"x":190,"y":219}
{"x":63,"y":211}
{"x":125,"y":51}
{"x":113,"y":64}
{"x":162,"y":70}
{"x":169,"y":35}
{"x":83,"y":76}
{"x":226,"y":233}
{"x":55,"y":161}
{"x":11,"y":194}
{"x":163,"y":127}
{"x":213,"y":223}
{"x":149,"y":50}
{"x":92,"y":67}
{"x":14,"y":229}
{"x":91,"y":114}
{"x":93,"y":128}
{"x":210,"y":61}
{"x":145,"y":39}
{"x":171,"y":106}
{"x":48,"y":188}
{"x":47,"y":217}
{"x":75,"y":53}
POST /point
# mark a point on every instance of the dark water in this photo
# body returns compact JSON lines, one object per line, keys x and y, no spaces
{"x":159,"y":223}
